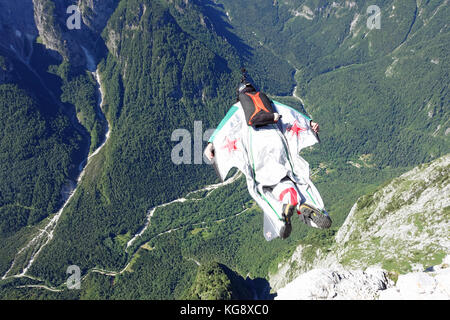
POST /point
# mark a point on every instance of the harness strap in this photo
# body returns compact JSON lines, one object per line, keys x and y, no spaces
{"x":259,"y":105}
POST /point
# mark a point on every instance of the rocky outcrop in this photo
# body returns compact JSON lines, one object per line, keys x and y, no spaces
{"x":95,"y":13}
{"x":404,"y":226}
{"x":433,"y":283}
{"x":401,"y":230}
{"x":50,"y":31}
{"x":319,"y":284}
{"x":373,"y":283}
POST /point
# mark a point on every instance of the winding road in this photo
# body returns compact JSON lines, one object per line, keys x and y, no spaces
{"x":183,"y":199}
{"x":113,"y":273}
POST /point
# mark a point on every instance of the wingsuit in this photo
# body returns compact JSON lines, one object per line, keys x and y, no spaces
{"x":262,"y":138}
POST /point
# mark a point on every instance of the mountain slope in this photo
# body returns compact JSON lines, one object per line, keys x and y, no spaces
{"x":41,"y":147}
{"x":402,"y":227}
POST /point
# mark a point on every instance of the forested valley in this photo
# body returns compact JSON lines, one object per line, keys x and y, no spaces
{"x":380,"y":96}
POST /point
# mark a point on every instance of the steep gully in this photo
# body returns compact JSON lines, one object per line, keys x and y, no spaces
{"x":28,"y":254}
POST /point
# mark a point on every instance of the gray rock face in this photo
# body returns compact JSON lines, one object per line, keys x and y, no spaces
{"x":373,"y":283}
{"x":49,"y":28}
{"x":405,"y":224}
{"x":95,"y":13}
{"x":21,"y":22}
{"x":320,"y":284}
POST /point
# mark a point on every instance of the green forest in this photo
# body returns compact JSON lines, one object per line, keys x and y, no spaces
{"x":381,"y":102}
{"x":39,"y":153}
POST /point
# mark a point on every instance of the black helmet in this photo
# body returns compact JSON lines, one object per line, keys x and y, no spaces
{"x":244,"y":85}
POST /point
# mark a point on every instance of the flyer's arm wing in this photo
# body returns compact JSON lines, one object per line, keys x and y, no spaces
{"x":229,"y":149}
{"x":296,"y":127}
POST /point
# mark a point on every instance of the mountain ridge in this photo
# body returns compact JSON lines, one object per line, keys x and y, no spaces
{"x":399,"y":231}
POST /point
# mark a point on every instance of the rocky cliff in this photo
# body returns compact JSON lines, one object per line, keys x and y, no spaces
{"x":48,"y":22}
{"x":394,"y":244}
